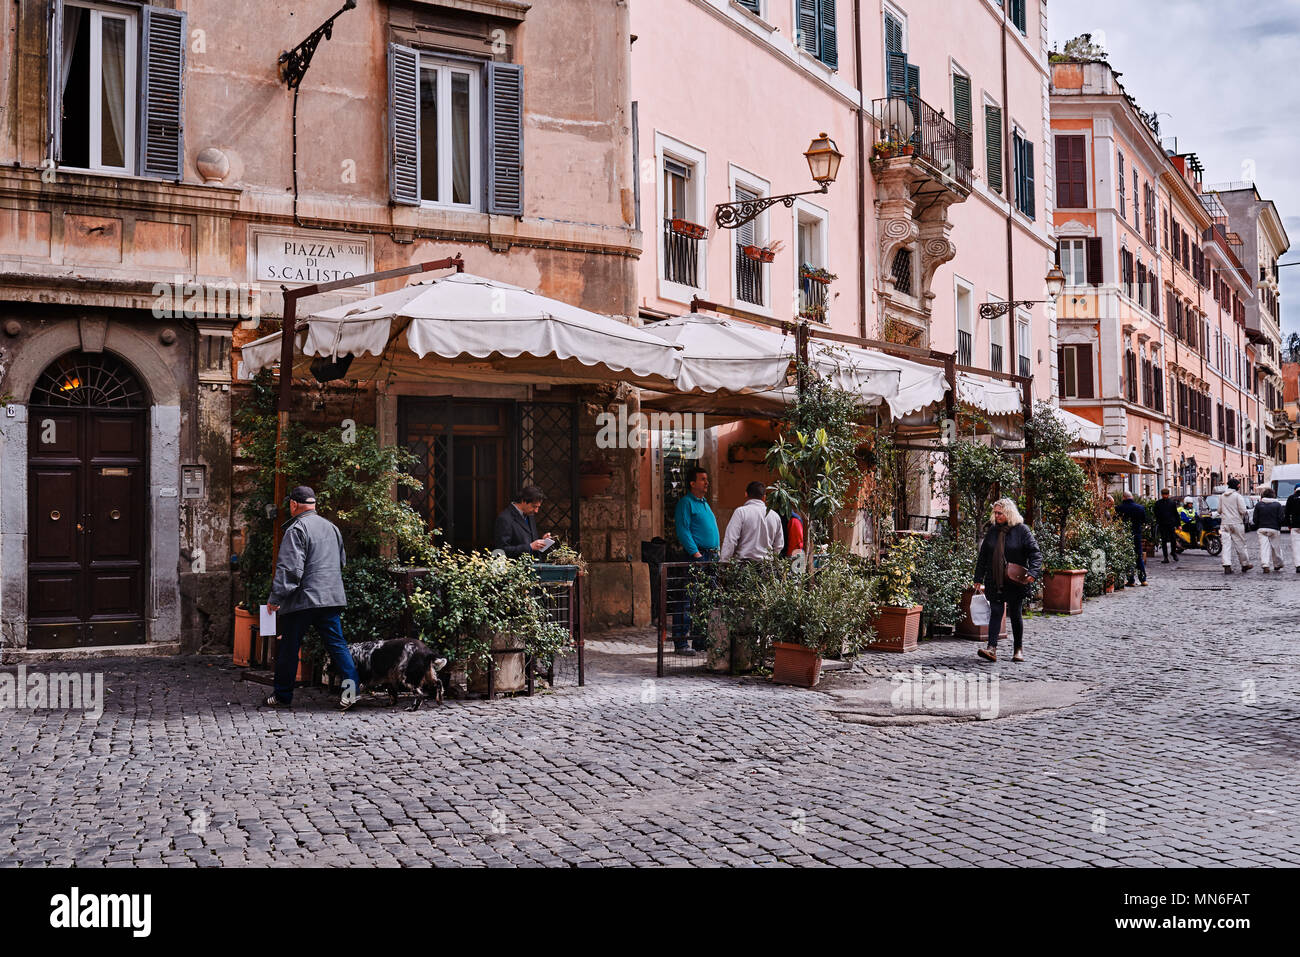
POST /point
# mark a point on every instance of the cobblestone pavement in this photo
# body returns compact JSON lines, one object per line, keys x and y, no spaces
{"x":1182,"y":751}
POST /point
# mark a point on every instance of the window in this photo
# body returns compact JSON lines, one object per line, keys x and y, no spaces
{"x":1149,"y":223}
{"x":753,"y":6}
{"x":1073,"y":259}
{"x":750,"y":274}
{"x":1074,"y":371}
{"x":902,"y":79}
{"x":112,"y":108}
{"x":815,"y":30}
{"x":1126,"y":271}
{"x":1165,"y":211}
{"x":965,"y":325}
{"x":1071,"y":172}
{"x":1023,"y":345}
{"x":810,"y":234}
{"x":1024,"y":156}
{"x":445,"y":116}
{"x":683,"y":239}
{"x":963,"y":119}
{"x":993,"y":146}
{"x":1130,"y":376}
{"x":1123,"y":214}
{"x":997,"y":335}
{"x":1017,"y":14}
{"x":1136,"y":212}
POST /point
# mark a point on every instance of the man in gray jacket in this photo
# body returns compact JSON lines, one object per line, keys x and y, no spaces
{"x":308,"y":590}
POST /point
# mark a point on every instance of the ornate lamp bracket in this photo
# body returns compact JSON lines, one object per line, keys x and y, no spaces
{"x":734,"y":215}
{"x":294,"y":63}
{"x":991,"y":310}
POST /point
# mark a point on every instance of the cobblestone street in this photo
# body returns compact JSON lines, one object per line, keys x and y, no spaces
{"x":1181,"y":750}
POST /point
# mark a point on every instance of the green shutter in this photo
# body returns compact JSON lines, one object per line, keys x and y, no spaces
{"x":806,"y":26}
{"x":993,"y":147}
{"x":961,"y":101}
{"x":829,"y":53}
{"x":1029,"y":208}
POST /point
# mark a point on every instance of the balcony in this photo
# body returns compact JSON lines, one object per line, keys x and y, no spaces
{"x":938,"y":147}
{"x":749,"y":278}
{"x":681,"y":256}
{"x":965,"y":353}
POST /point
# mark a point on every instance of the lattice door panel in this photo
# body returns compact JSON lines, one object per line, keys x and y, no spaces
{"x":547,"y":457}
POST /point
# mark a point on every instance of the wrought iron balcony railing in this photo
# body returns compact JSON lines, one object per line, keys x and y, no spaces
{"x":965,"y":351}
{"x":936,"y":141}
{"x":681,"y":257}
{"x":749,"y":278}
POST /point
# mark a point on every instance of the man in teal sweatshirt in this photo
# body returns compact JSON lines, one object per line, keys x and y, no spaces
{"x":697,"y":531}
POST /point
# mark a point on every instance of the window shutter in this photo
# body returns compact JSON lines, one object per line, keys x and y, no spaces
{"x":506,"y":138}
{"x":1083,"y":355}
{"x":750,"y":5}
{"x":1018,"y":14}
{"x":993,"y":146}
{"x":1069,"y":154}
{"x":1060,"y":370}
{"x":55,"y":133}
{"x":403,"y":125}
{"x":1031,"y":207}
{"x":893,"y":34}
{"x":161,"y":107}
{"x":913,"y":82}
{"x":896,"y":73}
{"x":962,"y":118}
{"x":829,"y":53}
{"x":1094,"y":261}
{"x":806,"y":26}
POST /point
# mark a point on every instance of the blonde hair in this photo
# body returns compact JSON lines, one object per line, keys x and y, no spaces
{"x":1010,"y":511}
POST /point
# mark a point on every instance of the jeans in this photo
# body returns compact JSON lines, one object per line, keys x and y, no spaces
{"x":683,"y":627}
{"x":1141,"y":559}
{"x":1009,"y":601}
{"x":292,"y":627}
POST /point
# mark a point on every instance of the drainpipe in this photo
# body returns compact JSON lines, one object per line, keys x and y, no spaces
{"x":862,"y":173}
{"x":1008,"y":167}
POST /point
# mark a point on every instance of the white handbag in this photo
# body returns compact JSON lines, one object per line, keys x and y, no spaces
{"x":979,"y":610}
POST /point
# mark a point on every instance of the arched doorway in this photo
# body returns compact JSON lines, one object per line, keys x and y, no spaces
{"x":87,"y":569}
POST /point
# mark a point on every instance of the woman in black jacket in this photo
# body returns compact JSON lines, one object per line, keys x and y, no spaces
{"x":1007,"y":541}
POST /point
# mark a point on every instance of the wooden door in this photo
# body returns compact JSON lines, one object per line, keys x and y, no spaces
{"x":87,"y":518}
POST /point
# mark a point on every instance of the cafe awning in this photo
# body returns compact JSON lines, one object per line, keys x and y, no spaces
{"x":467,"y":317}
{"x":1084,"y":430}
{"x":1107,"y":462}
{"x":989,"y":395}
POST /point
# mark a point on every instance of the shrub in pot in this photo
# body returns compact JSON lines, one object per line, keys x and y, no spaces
{"x":898,"y":621}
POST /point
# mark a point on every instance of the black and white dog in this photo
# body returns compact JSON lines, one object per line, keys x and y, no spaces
{"x":397,"y":665}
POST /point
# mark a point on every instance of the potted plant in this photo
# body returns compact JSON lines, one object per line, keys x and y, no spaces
{"x":688,"y":229}
{"x":884,"y":149}
{"x":1061,"y":488}
{"x":563,"y":564}
{"x":816,"y":312}
{"x":594,"y":477}
{"x":898,"y":623}
{"x":816,"y":274}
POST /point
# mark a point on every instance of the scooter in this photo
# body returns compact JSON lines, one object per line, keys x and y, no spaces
{"x":1202,"y":537}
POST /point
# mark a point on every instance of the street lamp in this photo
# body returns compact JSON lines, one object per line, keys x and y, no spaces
{"x":1055,"y":286}
{"x":824,"y":164}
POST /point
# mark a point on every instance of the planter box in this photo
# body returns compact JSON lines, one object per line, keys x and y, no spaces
{"x":1063,"y":592}
{"x":245,"y":625}
{"x":897,"y":629}
{"x":795,"y":665}
{"x":556,"y":573}
{"x":967,"y":628}
{"x":684,"y":227}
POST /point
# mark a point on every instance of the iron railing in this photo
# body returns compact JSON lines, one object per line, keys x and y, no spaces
{"x":812,"y":294}
{"x":936,"y":141}
{"x":995,"y":357}
{"x":965,"y":348}
{"x":749,"y":278}
{"x":681,"y":257}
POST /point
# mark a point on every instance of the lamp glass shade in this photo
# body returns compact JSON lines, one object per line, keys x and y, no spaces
{"x":823,"y":159}
{"x":1055,"y":282}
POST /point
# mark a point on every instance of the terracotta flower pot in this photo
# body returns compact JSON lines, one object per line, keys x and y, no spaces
{"x":591,"y":485}
{"x":245,"y":624}
{"x":897,"y":628}
{"x":967,"y":628}
{"x":795,"y":665}
{"x":1063,"y":592}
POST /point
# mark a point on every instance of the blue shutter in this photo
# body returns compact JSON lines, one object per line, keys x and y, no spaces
{"x":506,"y":139}
{"x":1028,"y":148}
{"x":893,"y":34}
{"x":806,"y":27}
{"x":914,"y":98}
{"x":896,"y":72}
{"x":826,"y":16}
{"x":403,"y":125}
{"x":161,"y":109}
{"x":750,"y":5}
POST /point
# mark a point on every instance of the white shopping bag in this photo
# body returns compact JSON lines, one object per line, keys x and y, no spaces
{"x":979,"y":610}
{"x":266,"y":621}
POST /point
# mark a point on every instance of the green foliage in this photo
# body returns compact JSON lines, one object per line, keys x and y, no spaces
{"x":814,"y":457}
{"x":978,"y":474}
{"x":375,"y":603}
{"x":1061,"y":488}
{"x":470,"y":596}
{"x":1047,"y":431}
{"x":897,"y":570}
{"x":353,"y":477}
{"x":771,"y":601}
{"x":1107,"y":549}
{"x":944,"y":568}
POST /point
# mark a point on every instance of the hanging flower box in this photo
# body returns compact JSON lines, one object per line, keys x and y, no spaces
{"x":759,"y":254}
{"x":691,"y":230}
{"x":816,"y":274}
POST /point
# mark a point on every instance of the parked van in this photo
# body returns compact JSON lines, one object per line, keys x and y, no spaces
{"x":1285,"y":479}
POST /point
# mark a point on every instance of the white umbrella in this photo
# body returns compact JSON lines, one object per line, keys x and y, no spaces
{"x":468,"y":317}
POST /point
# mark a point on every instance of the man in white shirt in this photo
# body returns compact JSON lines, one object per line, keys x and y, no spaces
{"x":1232,"y":527}
{"x":754,"y":531}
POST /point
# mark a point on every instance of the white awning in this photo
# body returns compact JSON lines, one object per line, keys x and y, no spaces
{"x":1108,"y":462}
{"x":1085,"y":431}
{"x":989,"y":395}
{"x":468,"y":317}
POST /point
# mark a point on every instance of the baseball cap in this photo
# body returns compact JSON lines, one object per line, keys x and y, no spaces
{"x":303,"y":495}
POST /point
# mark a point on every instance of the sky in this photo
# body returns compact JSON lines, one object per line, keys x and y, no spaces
{"x":1225,"y":79}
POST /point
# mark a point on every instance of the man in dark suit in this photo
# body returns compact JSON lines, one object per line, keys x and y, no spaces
{"x":516,"y":527}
